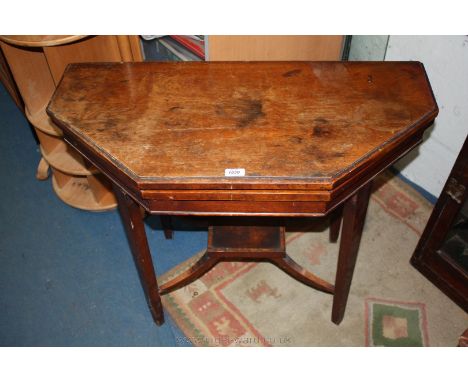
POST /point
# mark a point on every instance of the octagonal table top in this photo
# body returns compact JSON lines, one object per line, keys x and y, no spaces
{"x":308,"y":125}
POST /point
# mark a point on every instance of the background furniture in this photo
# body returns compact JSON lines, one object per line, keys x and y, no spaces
{"x":275,"y":48}
{"x":244,"y":48}
{"x":37,"y":64}
{"x":9,"y":82}
{"x":442,"y":251}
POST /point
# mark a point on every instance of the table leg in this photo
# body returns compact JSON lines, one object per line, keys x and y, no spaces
{"x":135,"y":229}
{"x":166,"y":223}
{"x":246,"y":242}
{"x":335,"y":224}
{"x":354,"y":215}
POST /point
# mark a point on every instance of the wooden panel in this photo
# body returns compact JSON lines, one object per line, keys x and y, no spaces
{"x":243,"y":237}
{"x":78,"y":192}
{"x":281,"y":122}
{"x":101,"y":189}
{"x":237,"y":208}
{"x":125,"y":48}
{"x":31,"y":72}
{"x":92,"y":49}
{"x":135,"y":46}
{"x":275,"y":48}
{"x":61,"y":156}
{"x":130,"y":48}
{"x":258,"y":195}
{"x":8,"y":81}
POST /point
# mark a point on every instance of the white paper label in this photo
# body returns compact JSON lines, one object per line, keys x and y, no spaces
{"x":234,"y":172}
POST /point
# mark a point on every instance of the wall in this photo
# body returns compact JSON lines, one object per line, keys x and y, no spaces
{"x":368,"y":48}
{"x":446,"y":61}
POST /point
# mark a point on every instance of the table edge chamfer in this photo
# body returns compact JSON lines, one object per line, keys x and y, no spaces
{"x":328,"y":191}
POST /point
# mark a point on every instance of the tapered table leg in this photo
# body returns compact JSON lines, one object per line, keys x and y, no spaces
{"x":335,"y":224}
{"x":354,"y":215}
{"x":166,"y":223}
{"x":135,"y":229}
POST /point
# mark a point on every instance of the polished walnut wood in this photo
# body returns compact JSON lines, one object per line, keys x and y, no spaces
{"x":310,"y":136}
{"x":247,"y":242}
{"x":354,"y":214}
{"x":324,"y":128}
{"x":166,"y":224}
{"x":335,"y":224}
{"x":134,"y":227}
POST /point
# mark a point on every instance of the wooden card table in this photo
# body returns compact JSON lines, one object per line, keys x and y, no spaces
{"x":248,"y":143}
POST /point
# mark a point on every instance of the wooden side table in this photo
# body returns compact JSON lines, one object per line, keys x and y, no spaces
{"x":247,"y":143}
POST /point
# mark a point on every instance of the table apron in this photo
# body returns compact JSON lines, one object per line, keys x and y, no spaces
{"x":237,"y":195}
{"x":236,"y":208}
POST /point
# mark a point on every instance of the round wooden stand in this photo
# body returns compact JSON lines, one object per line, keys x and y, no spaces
{"x":37,"y":64}
{"x":90,"y":193}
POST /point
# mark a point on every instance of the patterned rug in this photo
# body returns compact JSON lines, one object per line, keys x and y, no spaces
{"x":390,"y":303}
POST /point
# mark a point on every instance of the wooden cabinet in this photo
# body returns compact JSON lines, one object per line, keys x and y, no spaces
{"x":244,"y":48}
{"x":442,"y":252}
{"x":274,"y":48}
{"x":37,"y":64}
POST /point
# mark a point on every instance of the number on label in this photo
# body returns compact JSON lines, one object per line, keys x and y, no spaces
{"x":234,"y":172}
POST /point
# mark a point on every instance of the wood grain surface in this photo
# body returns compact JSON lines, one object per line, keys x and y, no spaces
{"x":307,"y":122}
{"x":274,"y":48}
{"x":40,"y":40}
{"x":308,"y":135}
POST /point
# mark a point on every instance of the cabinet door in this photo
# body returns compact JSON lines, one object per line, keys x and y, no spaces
{"x":275,"y":48}
{"x":442,"y":252}
{"x":92,"y":49}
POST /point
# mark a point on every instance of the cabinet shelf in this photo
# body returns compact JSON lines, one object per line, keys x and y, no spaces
{"x":37,"y":63}
{"x":42,"y":121}
{"x":61,"y":156}
{"x":40,"y":40}
{"x":81,"y":192}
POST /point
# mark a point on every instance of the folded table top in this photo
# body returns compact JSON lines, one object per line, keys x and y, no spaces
{"x":307,"y":125}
